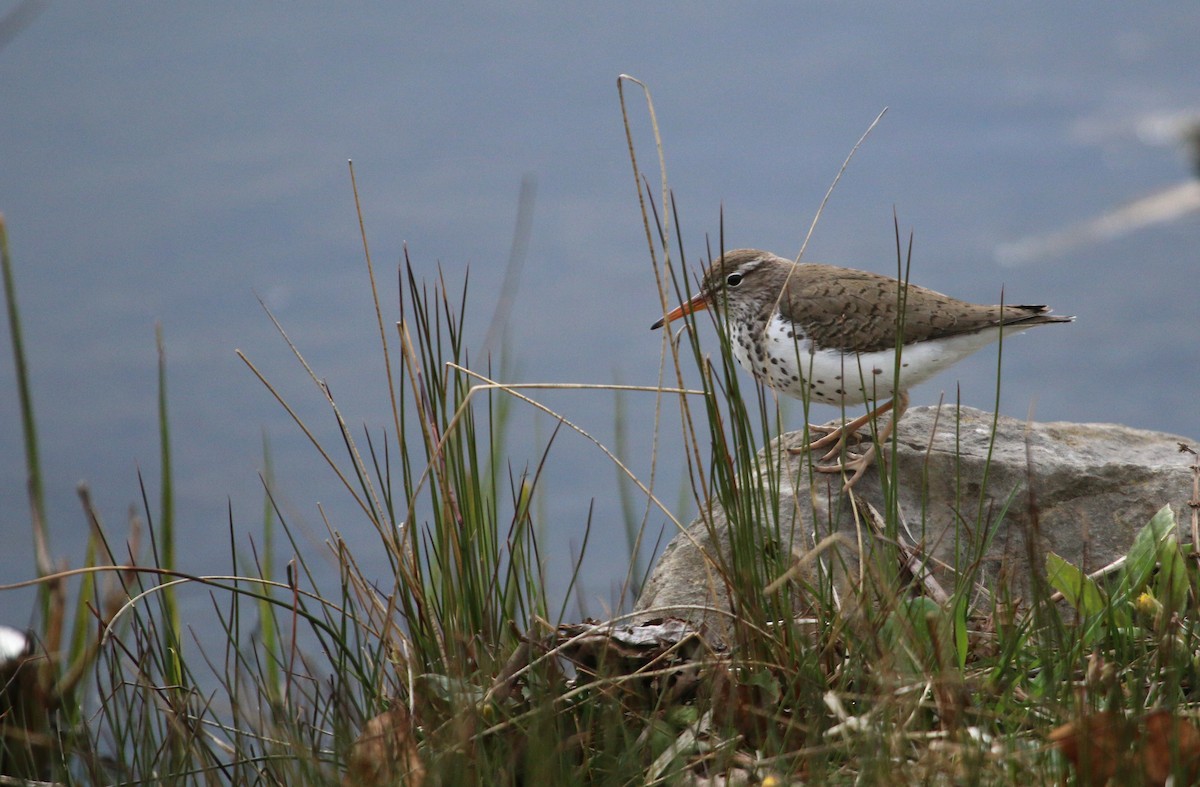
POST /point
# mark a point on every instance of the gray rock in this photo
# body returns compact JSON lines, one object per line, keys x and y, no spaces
{"x":1081,"y":490}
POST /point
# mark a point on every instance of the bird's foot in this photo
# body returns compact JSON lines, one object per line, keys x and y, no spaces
{"x":855,"y":464}
{"x":835,"y":438}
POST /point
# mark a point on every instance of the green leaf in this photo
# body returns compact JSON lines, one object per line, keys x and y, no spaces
{"x":1172,"y":581}
{"x":450,"y":693}
{"x":1144,"y":553}
{"x":1080,"y":591}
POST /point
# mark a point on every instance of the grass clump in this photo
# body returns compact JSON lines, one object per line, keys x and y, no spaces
{"x":456,"y":667}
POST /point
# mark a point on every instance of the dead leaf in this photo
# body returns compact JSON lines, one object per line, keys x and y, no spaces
{"x":1168,"y":740}
{"x":1106,"y":745}
{"x":1093,"y":745}
{"x":385,"y":753}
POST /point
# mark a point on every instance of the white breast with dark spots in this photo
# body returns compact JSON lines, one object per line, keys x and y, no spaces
{"x":785,"y":360}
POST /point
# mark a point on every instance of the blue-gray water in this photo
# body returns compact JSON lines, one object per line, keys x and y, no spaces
{"x":168,"y":163}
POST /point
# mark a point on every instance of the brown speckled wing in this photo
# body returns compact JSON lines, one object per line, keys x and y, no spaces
{"x":856,"y":311}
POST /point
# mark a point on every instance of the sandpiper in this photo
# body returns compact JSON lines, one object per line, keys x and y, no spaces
{"x":827,"y":334}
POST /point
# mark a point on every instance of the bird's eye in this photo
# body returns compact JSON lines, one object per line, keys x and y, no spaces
{"x":733,"y":279}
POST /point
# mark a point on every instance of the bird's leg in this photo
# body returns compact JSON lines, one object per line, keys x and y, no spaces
{"x":859,"y":464}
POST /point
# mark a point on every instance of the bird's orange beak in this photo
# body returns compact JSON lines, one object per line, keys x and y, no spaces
{"x":696,"y":304}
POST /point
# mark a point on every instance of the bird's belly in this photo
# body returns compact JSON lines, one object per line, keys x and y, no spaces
{"x":825,"y":376}
{"x":792,"y":367}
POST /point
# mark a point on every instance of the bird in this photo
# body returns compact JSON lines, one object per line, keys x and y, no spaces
{"x":840,"y":336}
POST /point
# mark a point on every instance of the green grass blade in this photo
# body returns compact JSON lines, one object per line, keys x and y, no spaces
{"x":33,"y":465}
